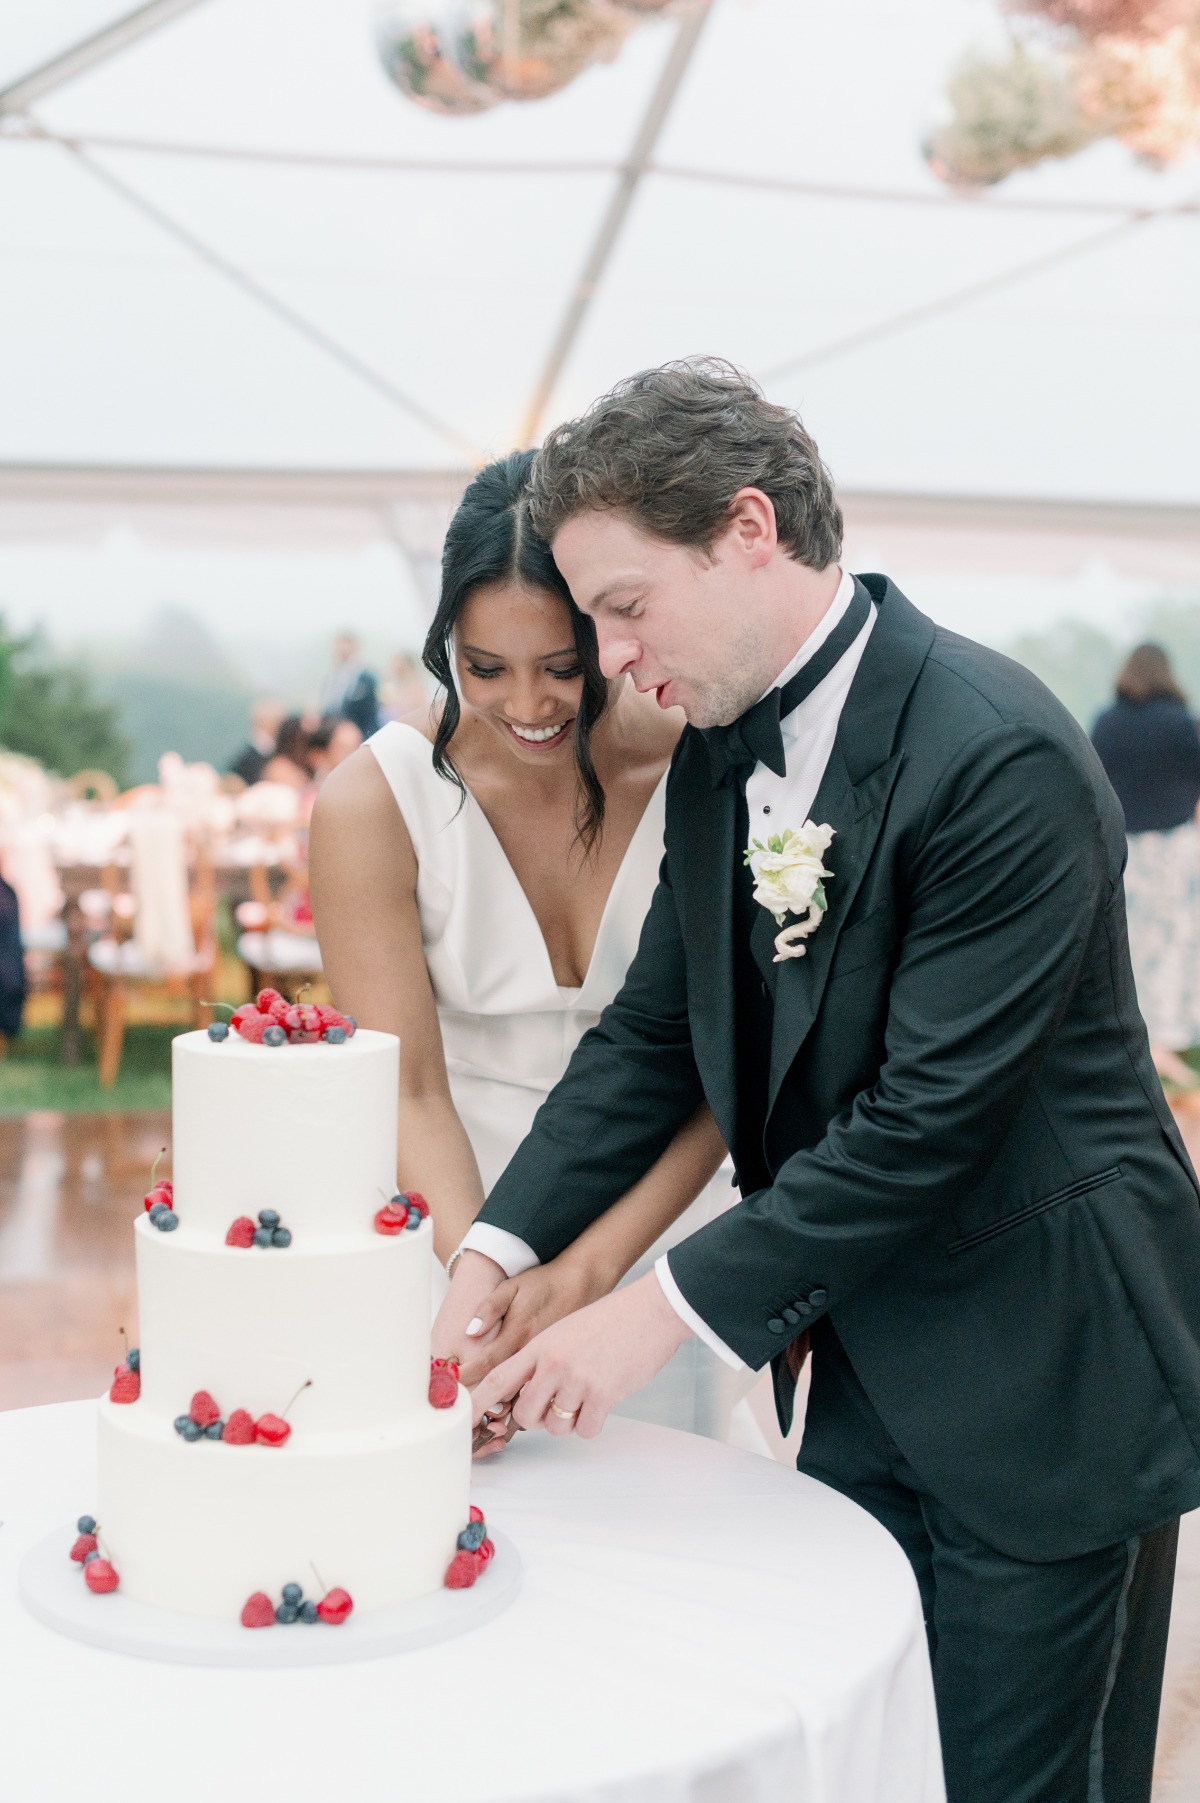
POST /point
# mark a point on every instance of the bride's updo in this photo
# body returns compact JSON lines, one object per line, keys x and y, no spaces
{"x":490,"y":539}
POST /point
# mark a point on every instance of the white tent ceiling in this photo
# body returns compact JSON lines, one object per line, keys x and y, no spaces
{"x":231,"y":246}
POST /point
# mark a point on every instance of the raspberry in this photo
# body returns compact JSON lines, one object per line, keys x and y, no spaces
{"x":241,"y":1233}
{"x":126,"y":1385}
{"x":266,"y":999}
{"x":329,"y":1017}
{"x":486,"y":1552}
{"x":242,"y":1013}
{"x":416,"y":1200}
{"x":239,"y":1429}
{"x":462,"y":1572}
{"x":443,"y":1386}
{"x":258,"y":1611}
{"x":100,"y":1577}
{"x":254,"y":1026}
{"x":204,"y":1410}
{"x":476,"y":1514}
{"x":85,"y":1544}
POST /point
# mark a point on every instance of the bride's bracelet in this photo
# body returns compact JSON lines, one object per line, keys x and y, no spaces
{"x":453,"y":1260}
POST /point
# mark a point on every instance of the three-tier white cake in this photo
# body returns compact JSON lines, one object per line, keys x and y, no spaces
{"x":370,"y":1487}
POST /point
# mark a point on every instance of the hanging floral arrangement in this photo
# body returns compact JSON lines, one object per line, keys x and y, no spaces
{"x":463,"y":58}
{"x":1079,"y":70}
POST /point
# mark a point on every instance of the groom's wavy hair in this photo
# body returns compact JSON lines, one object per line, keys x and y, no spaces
{"x":672,"y":446}
{"x":490,"y":539}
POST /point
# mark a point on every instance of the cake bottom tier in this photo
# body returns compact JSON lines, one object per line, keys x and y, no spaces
{"x":199,"y":1526}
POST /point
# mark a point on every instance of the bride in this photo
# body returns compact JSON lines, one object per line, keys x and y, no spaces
{"x":479,"y":880}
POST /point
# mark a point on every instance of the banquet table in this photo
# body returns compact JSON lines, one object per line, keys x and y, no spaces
{"x":695,"y":1624}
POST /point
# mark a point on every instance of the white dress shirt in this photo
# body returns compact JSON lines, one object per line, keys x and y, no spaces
{"x":774,"y":803}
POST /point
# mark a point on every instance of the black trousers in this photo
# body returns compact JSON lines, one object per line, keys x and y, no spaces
{"x":1048,"y":1677}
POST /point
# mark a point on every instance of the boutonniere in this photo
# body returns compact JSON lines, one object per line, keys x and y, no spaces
{"x":789,"y":879}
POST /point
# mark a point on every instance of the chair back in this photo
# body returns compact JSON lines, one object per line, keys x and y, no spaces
{"x":163,"y":923}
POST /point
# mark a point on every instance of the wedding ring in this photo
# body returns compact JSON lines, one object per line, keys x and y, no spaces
{"x":563,"y":1414}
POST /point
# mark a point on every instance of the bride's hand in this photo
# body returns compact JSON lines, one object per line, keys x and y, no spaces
{"x":520,"y":1307}
{"x":475,"y":1277}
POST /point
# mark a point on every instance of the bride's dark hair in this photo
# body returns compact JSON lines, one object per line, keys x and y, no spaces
{"x":490,"y":539}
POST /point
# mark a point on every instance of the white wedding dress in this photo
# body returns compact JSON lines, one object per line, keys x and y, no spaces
{"x":509,"y":1029}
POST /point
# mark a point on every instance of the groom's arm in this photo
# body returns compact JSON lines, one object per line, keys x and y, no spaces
{"x":1007,"y":886}
{"x":630,"y":1086}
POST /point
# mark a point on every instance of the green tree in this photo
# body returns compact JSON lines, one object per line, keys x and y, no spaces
{"x":48,"y":711}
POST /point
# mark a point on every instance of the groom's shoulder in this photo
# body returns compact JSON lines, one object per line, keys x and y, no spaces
{"x":969,"y":687}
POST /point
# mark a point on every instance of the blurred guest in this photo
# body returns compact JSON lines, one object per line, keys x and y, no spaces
{"x":403,"y":691}
{"x":330,"y":746}
{"x":266,"y":717}
{"x":292,"y":762}
{"x":348,"y":692}
{"x":1148,"y":744}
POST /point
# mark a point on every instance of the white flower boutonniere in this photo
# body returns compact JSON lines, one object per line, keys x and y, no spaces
{"x":789,"y":879}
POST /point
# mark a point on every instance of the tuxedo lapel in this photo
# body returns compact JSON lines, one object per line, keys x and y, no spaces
{"x":852,"y":798}
{"x":856,"y":813}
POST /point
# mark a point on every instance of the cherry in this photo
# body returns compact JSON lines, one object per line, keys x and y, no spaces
{"x":391,"y":1220}
{"x":335,"y":1607}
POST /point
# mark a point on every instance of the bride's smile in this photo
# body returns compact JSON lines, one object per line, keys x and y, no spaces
{"x":529,"y":691}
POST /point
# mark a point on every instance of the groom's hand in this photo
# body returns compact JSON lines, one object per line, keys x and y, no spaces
{"x":587,"y":1363}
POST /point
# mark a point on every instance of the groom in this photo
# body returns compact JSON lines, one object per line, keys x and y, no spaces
{"x":961,"y":1183}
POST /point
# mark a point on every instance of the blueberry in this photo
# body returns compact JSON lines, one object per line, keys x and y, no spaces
{"x":167,"y":1221}
{"x":133,"y":1358}
{"x":268,"y":1217}
{"x":88,"y":1557}
{"x":159,"y":1208}
{"x":414,"y":1218}
{"x":263,"y":1236}
{"x":308,"y":1612}
{"x":214,"y":1430}
{"x":281,"y":1237}
{"x":472,"y":1536}
{"x":181,"y":1421}
{"x":335,"y":1036}
{"x":191,"y":1430}
{"x":274,"y":1035}
{"x":218,"y":1030}
{"x":292,"y":1593}
{"x":86,"y":1524}
{"x":351,"y":1024}
{"x":287,"y":1613}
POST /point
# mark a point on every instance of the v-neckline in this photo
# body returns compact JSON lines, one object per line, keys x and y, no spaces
{"x":473,"y":802}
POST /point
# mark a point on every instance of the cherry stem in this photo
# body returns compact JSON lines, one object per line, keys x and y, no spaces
{"x":124,"y":1342}
{"x":228,"y":1005}
{"x":154,"y":1166}
{"x":306,"y":1385}
{"x":320,"y":1580}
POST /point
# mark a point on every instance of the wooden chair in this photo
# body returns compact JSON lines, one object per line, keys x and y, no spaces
{"x":120,"y":967}
{"x":276,"y":955}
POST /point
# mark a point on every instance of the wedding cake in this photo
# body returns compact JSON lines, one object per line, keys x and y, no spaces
{"x":277,"y":1442}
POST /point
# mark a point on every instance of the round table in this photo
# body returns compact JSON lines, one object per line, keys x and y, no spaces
{"x":696,"y":1625}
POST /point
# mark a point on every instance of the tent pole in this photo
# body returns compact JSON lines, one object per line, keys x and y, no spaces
{"x":632,"y":171}
{"x":85,"y":55}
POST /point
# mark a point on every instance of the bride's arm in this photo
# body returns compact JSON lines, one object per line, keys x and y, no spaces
{"x":363,"y":880}
{"x":596,"y":1262}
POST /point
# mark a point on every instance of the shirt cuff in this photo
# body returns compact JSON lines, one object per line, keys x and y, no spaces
{"x":504,"y":1249}
{"x":690,"y":1318}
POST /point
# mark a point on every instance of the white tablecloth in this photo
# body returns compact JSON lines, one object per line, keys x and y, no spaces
{"x":696,"y":1625}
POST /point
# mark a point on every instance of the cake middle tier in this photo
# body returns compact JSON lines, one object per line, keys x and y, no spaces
{"x":251,"y":1326}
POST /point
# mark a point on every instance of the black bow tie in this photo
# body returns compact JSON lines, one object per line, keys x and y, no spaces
{"x":756,"y":738}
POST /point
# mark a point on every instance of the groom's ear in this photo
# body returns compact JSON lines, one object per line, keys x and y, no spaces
{"x":752,"y":528}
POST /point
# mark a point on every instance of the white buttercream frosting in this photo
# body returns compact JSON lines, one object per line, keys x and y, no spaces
{"x":371,"y":1486}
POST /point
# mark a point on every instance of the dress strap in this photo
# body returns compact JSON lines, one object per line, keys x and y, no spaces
{"x":428,"y":803}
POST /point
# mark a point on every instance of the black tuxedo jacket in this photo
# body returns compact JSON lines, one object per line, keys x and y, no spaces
{"x":966,"y":1158}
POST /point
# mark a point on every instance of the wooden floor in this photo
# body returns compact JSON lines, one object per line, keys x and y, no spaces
{"x":71,"y":1184}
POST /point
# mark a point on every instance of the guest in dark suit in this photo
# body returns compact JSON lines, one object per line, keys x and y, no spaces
{"x":266,"y":717}
{"x":349,"y":691}
{"x":1149,"y":747}
{"x":961,"y":1181}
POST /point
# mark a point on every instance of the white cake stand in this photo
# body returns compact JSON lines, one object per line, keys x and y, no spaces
{"x":52,"y":1589}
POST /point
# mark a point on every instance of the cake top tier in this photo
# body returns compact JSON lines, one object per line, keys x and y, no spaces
{"x":306,"y":1130}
